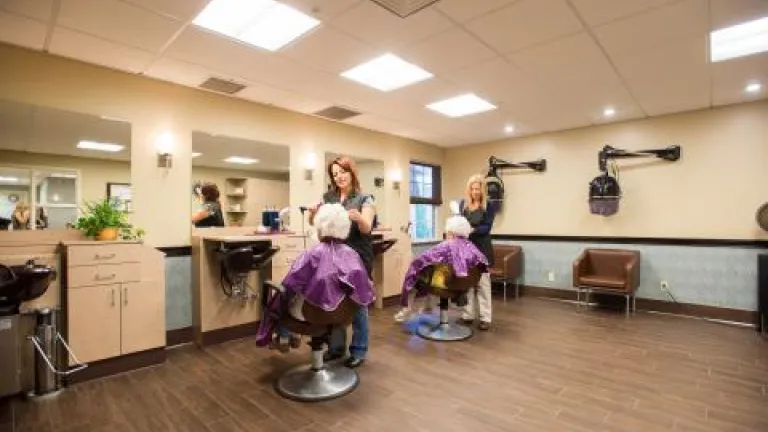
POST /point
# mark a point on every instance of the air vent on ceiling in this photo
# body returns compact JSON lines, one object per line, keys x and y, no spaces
{"x":405,"y":8}
{"x":221,"y":86}
{"x":336,"y":113}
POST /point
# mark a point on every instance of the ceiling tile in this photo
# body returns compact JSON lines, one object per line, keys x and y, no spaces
{"x":597,"y":12}
{"x":179,"y":72}
{"x":448,"y":51}
{"x":268,"y":95}
{"x":182,"y":10}
{"x":730,"y":12}
{"x":90,"y":49}
{"x":383,"y":124}
{"x":324,"y":10}
{"x":658,"y":27}
{"x":331,"y":50}
{"x":383,"y":29}
{"x":19,"y":30}
{"x":670,"y":78}
{"x":729,"y":79}
{"x":463,"y":10}
{"x":37,"y":9}
{"x":497,"y":79}
{"x":525,"y":23}
{"x":119,"y":22}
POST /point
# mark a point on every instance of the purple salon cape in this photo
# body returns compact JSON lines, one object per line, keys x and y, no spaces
{"x":459,"y":253}
{"x":323,"y":275}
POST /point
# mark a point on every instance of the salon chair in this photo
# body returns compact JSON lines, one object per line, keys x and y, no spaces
{"x":455,"y":289}
{"x":238,"y":260}
{"x":607,"y":271}
{"x":317,"y":381}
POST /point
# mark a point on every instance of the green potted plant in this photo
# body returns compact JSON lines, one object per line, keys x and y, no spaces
{"x":103,"y":221}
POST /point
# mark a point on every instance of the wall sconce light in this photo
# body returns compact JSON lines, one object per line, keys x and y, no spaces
{"x":310,"y":163}
{"x":397,"y":177}
{"x":164,"y":146}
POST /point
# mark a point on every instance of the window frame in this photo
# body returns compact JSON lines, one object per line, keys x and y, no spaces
{"x":434,"y":201}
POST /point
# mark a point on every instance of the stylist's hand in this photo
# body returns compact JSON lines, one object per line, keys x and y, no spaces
{"x":313,"y":209}
{"x":355,"y":216}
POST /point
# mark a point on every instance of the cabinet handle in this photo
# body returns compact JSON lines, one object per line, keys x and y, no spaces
{"x":111,"y":276}
{"x":105,"y":256}
{"x":113,"y":297}
{"x":125,"y":296}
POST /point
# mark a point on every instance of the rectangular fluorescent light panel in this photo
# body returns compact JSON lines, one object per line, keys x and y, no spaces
{"x":739,"y":40}
{"x":240,"y":160}
{"x":266,"y":24}
{"x":463,"y":105}
{"x":92,"y":145}
{"x":195,"y":154}
{"x":387,"y":72}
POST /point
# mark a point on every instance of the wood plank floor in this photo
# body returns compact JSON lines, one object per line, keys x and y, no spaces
{"x":543,"y":367}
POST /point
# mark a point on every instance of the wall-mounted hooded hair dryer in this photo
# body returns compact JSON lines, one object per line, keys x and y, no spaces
{"x":604,"y":190}
{"x":494,"y":184}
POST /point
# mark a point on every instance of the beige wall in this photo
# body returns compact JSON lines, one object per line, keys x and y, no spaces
{"x":713,"y":191}
{"x":155,"y":107}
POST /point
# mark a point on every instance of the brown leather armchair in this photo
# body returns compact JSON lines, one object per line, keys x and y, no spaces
{"x":507,"y":266}
{"x":611,"y":271}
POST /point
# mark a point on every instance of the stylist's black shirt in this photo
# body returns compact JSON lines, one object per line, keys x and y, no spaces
{"x":361,"y":243}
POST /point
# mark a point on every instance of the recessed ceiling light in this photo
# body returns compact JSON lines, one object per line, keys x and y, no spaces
{"x":753,"y":88}
{"x":739,"y":40}
{"x":266,"y":24}
{"x":93,"y":145}
{"x":387,"y":72}
{"x":195,"y":154}
{"x":241,"y":160}
{"x":609,"y":112}
{"x":509,"y":129}
{"x":462,"y":105}
{"x":9,"y":179}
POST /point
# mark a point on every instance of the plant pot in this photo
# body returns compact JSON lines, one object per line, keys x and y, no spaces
{"x":108,"y":234}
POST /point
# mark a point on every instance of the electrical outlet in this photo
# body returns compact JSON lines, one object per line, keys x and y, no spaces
{"x":664,"y":285}
{"x":551,"y":276}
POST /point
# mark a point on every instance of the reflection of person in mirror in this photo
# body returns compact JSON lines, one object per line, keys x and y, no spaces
{"x":361,"y":208}
{"x":21,"y":216}
{"x":209,"y":214}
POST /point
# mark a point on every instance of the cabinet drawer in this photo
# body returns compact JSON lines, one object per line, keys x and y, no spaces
{"x":285,"y":259}
{"x":290,"y":243}
{"x":103,"y":254}
{"x":103,"y":274}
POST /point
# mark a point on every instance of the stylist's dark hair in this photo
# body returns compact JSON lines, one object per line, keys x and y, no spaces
{"x":210,"y":192}
{"x":347,"y":164}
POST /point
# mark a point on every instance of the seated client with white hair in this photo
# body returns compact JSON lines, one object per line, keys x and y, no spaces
{"x":323,"y":275}
{"x":454,"y":255}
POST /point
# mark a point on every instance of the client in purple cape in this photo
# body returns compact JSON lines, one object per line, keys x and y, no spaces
{"x":323,"y":276}
{"x":455,"y":254}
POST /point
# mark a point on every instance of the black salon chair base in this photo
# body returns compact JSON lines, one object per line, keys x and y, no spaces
{"x":445,"y":331}
{"x":319,"y":381}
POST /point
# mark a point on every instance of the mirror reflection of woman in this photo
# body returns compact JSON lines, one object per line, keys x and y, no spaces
{"x":361,"y":209}
{"x":21,"y":216}
{"x":210,"y":213}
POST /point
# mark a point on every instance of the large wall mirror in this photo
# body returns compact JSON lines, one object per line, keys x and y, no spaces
{"x":249,"y":176}
{"x":53,"y":161}
{"x":371,"y":180}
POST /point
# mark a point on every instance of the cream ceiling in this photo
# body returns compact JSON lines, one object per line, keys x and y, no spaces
{"x":547,"y":64}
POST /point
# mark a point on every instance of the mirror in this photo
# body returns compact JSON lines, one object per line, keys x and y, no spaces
{"x":371,"y":181}
{"x":53,"y":161}
{"x":252,"y":177}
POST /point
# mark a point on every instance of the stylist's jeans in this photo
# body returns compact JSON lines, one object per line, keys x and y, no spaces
{"x":359,"y":346}
{"x":479,"y":307}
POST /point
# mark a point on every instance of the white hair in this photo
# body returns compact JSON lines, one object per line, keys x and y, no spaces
{"x":458,"y":225}
{"x":332,"y":220}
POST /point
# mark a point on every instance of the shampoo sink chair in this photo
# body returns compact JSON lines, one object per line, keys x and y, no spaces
{"x":23,"y":283}
{"x":238,"y":260}
{"x":317,"y":381}
{"x":451,"y":288}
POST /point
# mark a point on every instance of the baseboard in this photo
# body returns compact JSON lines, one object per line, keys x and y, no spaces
{"x":113,"y":366}
{"x":390,"y":301}
{"x":214,"y":337}
{"x":687,"y":309}
{"x":179,"y":336}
